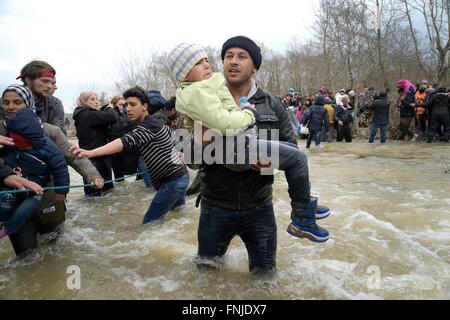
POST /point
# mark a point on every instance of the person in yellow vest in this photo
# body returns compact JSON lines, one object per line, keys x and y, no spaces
{"x":329,"y":106}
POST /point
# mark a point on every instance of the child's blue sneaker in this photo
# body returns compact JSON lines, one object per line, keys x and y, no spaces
{"x":304,"y":225}
{"x":322,"y":212}
{"x":309,"y":230}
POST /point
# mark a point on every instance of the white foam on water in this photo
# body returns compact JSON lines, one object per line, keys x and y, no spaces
{"x":82,"y":237}
{"x":422,"y":195}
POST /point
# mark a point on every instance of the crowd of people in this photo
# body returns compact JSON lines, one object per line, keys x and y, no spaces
{"x":135,"y":134}
{"x":424,"y":111}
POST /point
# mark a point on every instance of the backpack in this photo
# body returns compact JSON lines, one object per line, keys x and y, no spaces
{"x":156,"y":101}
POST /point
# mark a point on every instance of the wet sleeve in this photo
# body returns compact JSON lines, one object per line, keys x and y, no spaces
{"x":81,"y":165}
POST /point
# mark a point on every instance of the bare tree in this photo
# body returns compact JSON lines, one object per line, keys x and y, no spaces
{"x":436,"y":27}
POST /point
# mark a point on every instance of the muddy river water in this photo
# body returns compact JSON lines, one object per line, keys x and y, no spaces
{"x":390,"y":238}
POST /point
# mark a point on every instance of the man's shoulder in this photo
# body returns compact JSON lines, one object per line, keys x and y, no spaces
{"x":55,"y":102}
{"x":50,"y":129}
{"x":263,"y":97}
{"x":150,"y":123}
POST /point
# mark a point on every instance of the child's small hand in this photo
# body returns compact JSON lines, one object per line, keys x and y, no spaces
{"x":14,"y":181}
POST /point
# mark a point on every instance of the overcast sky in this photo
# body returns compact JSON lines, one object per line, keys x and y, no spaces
{"x":83,"y":39}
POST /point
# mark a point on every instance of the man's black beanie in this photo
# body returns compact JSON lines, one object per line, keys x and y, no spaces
{"x":244,"y":43}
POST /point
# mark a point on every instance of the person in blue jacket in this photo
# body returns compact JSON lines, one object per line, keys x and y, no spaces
{"x":315,"y":118}
{"x":33,"y":156}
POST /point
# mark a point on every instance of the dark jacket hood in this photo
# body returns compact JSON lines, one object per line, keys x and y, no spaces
{"x":441,"y":97}
{"x":77,"y":112}
{"x":320,"y":101}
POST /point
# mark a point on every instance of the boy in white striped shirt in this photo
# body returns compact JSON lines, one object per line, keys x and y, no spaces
{"x":168,"y":172}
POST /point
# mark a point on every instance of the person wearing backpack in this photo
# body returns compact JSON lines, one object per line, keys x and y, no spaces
{"x":157,"y":104}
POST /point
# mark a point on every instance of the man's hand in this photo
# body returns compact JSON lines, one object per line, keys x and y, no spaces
{"x":340,"y":123}
{"x":80,"y":153}
{"x":98,"y":182}
{"x":5,"y":141}
{"x":15,"y":181}
{"x":260,"y":165}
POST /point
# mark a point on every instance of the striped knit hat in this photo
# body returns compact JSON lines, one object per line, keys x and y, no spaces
{"x":24,"y":93}
{"x":183,"y":58}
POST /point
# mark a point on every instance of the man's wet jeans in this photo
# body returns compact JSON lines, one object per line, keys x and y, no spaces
{"x":15,"y":215}
{"x":373,"y":133}
{"x":256,"y":227}
{"x":170,"y":195}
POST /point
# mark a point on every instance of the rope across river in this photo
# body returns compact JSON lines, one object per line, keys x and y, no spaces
{"x":70,"y":186}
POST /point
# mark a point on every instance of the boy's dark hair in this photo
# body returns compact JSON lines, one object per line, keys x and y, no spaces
{"x":171,"y":103}
{"x":442,"y":90}
{"x":137,"y":92}
{"x":383,"y":94}
{"x":33,"y":69}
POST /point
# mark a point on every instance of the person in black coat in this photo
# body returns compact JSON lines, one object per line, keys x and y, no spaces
{"x":92,"y":132}
{"x":380,"y":117}
{"x":343,"y":119}
{"x":439,"y":106}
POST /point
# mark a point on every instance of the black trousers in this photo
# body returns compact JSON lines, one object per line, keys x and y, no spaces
{"x":405,"y":124}
{"x":344,"y":131}
{"x":439,"y":120}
